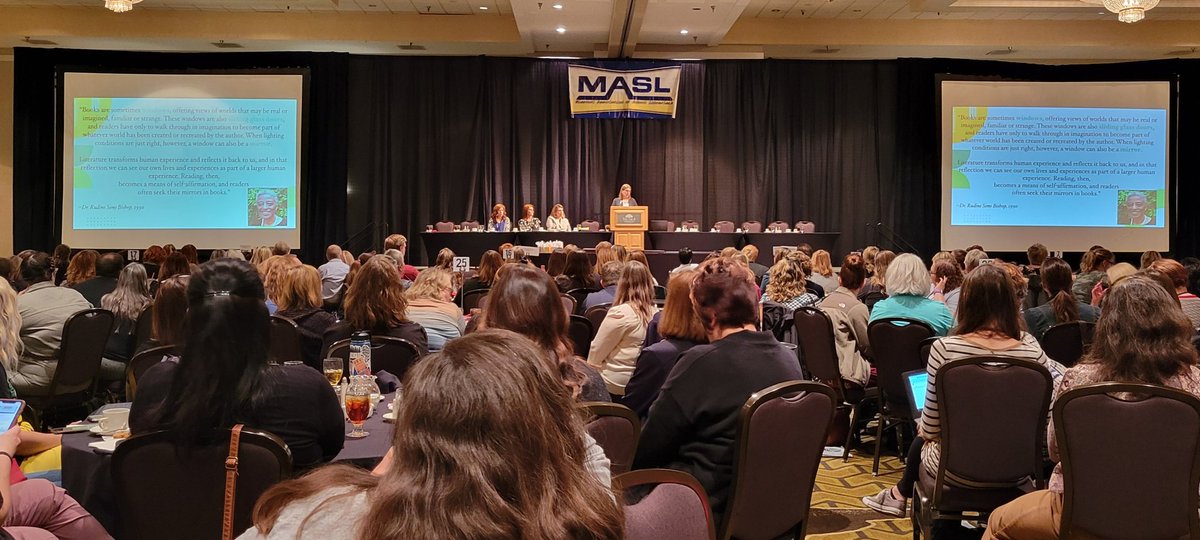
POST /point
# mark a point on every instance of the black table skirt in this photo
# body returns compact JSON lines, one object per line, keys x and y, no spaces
{"x":696,"y":241}
{"x":474,"y":244}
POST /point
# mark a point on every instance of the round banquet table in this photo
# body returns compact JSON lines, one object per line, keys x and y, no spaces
{"x":87,"y":476}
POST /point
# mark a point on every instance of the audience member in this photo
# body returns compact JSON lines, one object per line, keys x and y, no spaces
{"x":298,"y":297}
{"x":397,"y":259}
{"x":36,"y":508}
{"x":604,"y":254}
{"x":640,"y":256}
{"x":947,"y":280}
{"x":1036,"y":254}
{"x":128,"y":299}
{"x":1141,"y":337}
{"x":431,"y":305}
{"x":152,"y":258}
{"x":216,"y":254}
{"x":822,"y":271}
{"x":270,"y":271}
{"x":680,"y":329}
{"x":487,"y":444}
{"x":849,"y":317}
{"x":685,"y":261}
{"x":693,"y":425}
{"x":60,"y":260}
{"x":975,"y":257}
{"x":7,"y":271}
{"x":44,"y":309}
{"x":579,"y":273}
{"x":400,"y":242}
{"x":1148,"y":258}
{"x":556,"y":263}
{"x":1091,"y":271}
{"x":333,"y":274}
{"x":786,"y":286}
{"x":868,"y":254}
{"x":375,"y":303}
{"x":281,"y":249}
{"x":489,"y":264}
{"x":525,"y":301}
{"x":907,"y":285}
{"x":620,"y":253}
{"x":444,"y":259}
{"x":989,"y":325}
{"x":1056,"y":279}
{"x":223,"y":376}
{"x":1179,"y":277}
{"x":108,"y":267}
{"x":192,"y":254}
{"x":805,"y":248}
{"x":960,"y":257}
{"x":174,"y":265}
{"x":609,"y":276}
{"x":82,"y":267}
{"x":618,"y":341}
{"x":751,"y":253}
{"x":878,"y":283}
{"x":259,"y":256}
{"x":234,"y":254}
{"x":169,"y":315}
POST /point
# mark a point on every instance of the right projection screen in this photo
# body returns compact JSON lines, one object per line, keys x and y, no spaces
{"x":1069,"y":165}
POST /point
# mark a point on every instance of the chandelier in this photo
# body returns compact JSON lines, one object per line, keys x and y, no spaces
{"x":120,"y":6}
{"x":1130,"y":11}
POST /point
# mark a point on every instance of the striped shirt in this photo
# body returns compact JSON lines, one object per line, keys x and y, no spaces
{"x":955,"y":348}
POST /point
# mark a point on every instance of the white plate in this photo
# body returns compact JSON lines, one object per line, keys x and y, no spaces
{"x":390,"y":417}
{"x":106,"y":446}
{"x":97,"y":431}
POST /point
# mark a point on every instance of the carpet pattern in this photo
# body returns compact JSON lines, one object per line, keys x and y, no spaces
{"x":837,"y":511}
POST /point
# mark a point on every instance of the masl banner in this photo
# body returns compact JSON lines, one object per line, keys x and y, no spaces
{"x":623,"y":90}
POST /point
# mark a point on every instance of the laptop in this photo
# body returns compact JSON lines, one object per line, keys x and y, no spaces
{"x":914,"y":383}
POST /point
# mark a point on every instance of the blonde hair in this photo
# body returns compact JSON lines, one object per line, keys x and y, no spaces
{"x":10,"y":327}
{"x":636,"y":288}
{"x":297,"y":287}
{"x":787,"y":281}
{"x":270,"y":269}
{"x":430,"y":284}
{"x":259,"y":255}
{"x":131,"y":295}
{"x":821,"y":263}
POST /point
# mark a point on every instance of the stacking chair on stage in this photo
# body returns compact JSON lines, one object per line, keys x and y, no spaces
{"x":470,"y":225}
{"x":444,"y":226}
{"x":805,"y":227}
{"x":690,"y":224}
{"x":778,"y":226}
{"x":724,"y":226}
{"x":592,"y":225}
{"x":661,"y":225}
{"x":751,"y":227}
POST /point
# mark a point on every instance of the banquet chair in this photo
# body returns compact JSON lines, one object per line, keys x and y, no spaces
{"x":992,"y":412}
{"x":444,"y":226}
{"x":73,"y":384}
{"x":141,"y":362}
{"x":592,"y":225}
{"x":165,"y":493}
{"x":391,"y":354}
{"x":568,"y":302}
{"x":616,"y":429}
{"x":897,"y":346}
{"x":143,"y":329}
{"x":580,"y":331}
{"x":596,"y":315}
{"x":751,"y":226}
{"x":690,"y":224}
{"x":660,"y":225}
{"x":724,"y":226}
{"x":805,"y":227}
{"x":819,"y":358}
{"x":676,"y":508}
{"x":471,"y":299}
{"x":780,"y":438}
{"x":285,"y":340}
{"x":469,"y":225}
{"x":660,"y":292}
{"x":1066,"y":342}
{"x":1130,"y":461}
{"x":580,"y":295}
{"x":778,"y":226}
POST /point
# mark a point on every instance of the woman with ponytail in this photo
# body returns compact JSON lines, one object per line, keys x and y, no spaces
{"x":1063,"y":306}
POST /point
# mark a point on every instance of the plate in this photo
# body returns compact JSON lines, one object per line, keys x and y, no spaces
{"x":390,"y":417}
{"x":97,"y":431}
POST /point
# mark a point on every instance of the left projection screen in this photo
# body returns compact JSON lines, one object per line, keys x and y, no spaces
{"x":212,"y":160}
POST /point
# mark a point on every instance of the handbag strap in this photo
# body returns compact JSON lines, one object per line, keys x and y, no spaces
{"x":231,"y":473}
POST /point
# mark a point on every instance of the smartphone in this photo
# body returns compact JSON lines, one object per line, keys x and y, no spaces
{"x":10,"y":412}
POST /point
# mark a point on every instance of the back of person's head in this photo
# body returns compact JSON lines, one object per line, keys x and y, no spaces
{"x":853,"y":272}
{"x":579,"y":267}
{"x":685,"y":256}
{"x":109,"y":265}
{"x":190,"y":253}
{"x":974,"y":246}
{"x":1019,"y":282}
{"x":259,"y":255}
{"x":487,"y":444}
{"x":234,"y":254}
{"x":610,"y":274}
{"x":1098,"y":260}
{"x":220,"y":371}
{"x":821,"y":263}
{"x":802,"y":259}
{"x":216,"y":254}
{"x":154,"y":255}
{"x":949,"y":270}
{"x":272,"y":268}
{"x":489,"y":264}
{"x":1056,"y":280}
{"x":82,"y":266}
{"x":1142,"y":335}
{"x":396,"y":257}
{"x":960,"y":257}
{"x":621,"y":253}
{"x":131,"y":295}
{"x":679,"y":319}
{"x":604,"y":253}
{"x":10,"y":328}
{"x":639,"y":256}
{"x":906,"y":275}
{"x":395,"y":241}
{"x":174,"y":265}
{"x":941,"y":256}
{"x":974,"y":258}
{"x":1119,"y":271}
{"x":347,"y":257}
{"x":169,"y":315}
{"x":281,"y":248}
{"x":445,"y":259}
{"x":787,"y":281}
{"x":169,"y":248}
{"x":62,"y":254}
{"x":883,"y":259}
{"x":724,"y":295}
{"x":556,"y":263}
{"x":805,"y":249}
{"x":1173,"y":270}
{"x":376,"y":300}
{"x":1148,"y":258}
{"x":636,"y":288}
{"x":988,"y":303}
{"x":1037,"y":254}
{"x":332,"y":252}
{"x":431,"y":284}
{"x":750,"y":251}
{"x":37,"y":268}
{"x":868,"y":254}
{"x":1162,"y":280}
{"x":299,"y":287}
{"x":729,"y":252}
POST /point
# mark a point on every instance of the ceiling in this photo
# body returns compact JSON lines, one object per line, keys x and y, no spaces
{"x":1024,"y":30}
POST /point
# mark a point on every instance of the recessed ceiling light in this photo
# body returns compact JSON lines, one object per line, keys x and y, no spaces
{"x":560,"y":30}
{"x":483,"y":8}
{"x":557,"y":6}
{"x":684,"y":31}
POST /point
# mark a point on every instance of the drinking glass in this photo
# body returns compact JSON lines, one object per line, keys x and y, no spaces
{"x":333,"y":370}
{"x":358,"y":407}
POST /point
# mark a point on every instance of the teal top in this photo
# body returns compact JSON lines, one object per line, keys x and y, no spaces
{"x":911,"y":306}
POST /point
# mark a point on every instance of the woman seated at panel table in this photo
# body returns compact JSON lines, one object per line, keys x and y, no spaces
{"x":557,"y":220}
{"x":499,"y":221}
{"x":528,"y":222}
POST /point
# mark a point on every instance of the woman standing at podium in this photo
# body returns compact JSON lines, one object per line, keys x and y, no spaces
{"x":626,"y":197}
{"x":499,"y":221}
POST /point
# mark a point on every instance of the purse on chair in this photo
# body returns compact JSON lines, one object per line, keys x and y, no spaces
{"x":231,"y":473}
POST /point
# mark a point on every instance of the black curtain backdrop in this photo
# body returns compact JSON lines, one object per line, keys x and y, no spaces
{"x":396,"y":143}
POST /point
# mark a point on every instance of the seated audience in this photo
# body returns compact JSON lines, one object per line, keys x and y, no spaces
{"x":618,"y":341}
{"x":1114,"y":274}
{"x":989,"y":324}
{"x":685,"y":261}
{"x":557,"y":221}
{"x":640,"y":256}
{"x":444,"y":260}
{"x":298,"y":296}
{"x":849,"y":317}
{"x":1056,"y":280}
{"x":44,"y":309}
{"x":1141,"y":337}
{"x":375,"y":303}
{"x":975,"y":257}
{"x":1148,"y":258}
{"x":525,"y":301}
{"x":108,"y":267}
{"x":751,"y":253}
{"x":397,"y":259}
{"x":786,"y":286}
{"x":868,"y":255}
{"x":223,"y":377}
{"x":169,"y":315}
{"x":692,"y":427}
{"x":271,"y":270}
{"x":333,"y":274}
{"x":60,"y":261}
{"x":947,"y":280}
{"x":431,"y":305}
{"x":680,"y":329}
{"x":1179,"y":277}
{"x":877,"y":284}
{"x":907,"y":285}
{"x":193,"y":255}
{"x":489,"y":264}
{"x":234,"y":254}
{"x":174,"y":265}
{"x":604,"y":254}
{"x":259,"y":256}
{"x":1091,"y":271}
{"x":579,"y":274}
{"x":822,"y":271}
{"x":280,"y":249}
{"x":152,"y":258}
{"x":127,"y":301}
{"x":609,"y":276}
{"x":487,"y":444}
{"x":7,"y":271}
{"x":556,"y":262}
{"x":400,"y":243}
{"x":82,"y":267}
{"x":37,"y":509}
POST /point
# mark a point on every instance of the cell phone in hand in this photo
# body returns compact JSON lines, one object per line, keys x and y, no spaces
{"x":10,"y":412}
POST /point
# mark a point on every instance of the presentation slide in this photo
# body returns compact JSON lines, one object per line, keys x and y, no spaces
{"x":211,"y":160}
{"x":1069,"y":165}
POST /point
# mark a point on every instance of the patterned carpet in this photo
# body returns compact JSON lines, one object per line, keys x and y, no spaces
{"x":837,"y":511}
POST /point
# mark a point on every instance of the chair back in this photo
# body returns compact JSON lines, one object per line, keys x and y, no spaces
{"x":285,"y":340}
{"x":391,"y":354}
{"x":806,"y":227}
{"x":660,"y":225}
{"x":444,"y":226}
{"x":1131,"y":461}
{"x":472,"y":299}
{"x":140,"y":363}
{"x":992,"y":412}
{"x":897,"y":345}
{"x":580,"y":295}
{"x":926,"y":344}
{"x":818,"y":348}
{"x":581,"y":333}
{"x":1066,"y":342}
{"x":470,"y":224}
{"x":568,"y":303}
{"x":724,"y":226}
{"x":163,"y":492}
{"x":781,"y":434}
{"x":677,"y":507}
{"x":596,"y":315}
{"x":779,"y":226}
{"x":690,"y":224}
{"x":83,"y":339}
{"x":872,"y":298}
{"x":143,"y":329}
{"x":751,"y":226}
{"x":616,"y":429}
{"x":660,"y":292}
{"x":591,"y":224}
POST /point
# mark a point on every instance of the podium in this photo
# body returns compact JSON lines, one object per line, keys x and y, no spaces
{"x":629,"y":225}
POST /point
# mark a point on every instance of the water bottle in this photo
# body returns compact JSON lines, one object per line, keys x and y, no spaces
{"x":360,"y":353}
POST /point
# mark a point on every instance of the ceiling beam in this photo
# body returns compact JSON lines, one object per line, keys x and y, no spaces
{"x":625,"y":27}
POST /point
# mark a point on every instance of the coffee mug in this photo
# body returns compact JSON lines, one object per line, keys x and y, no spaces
{"x":114,"y":419}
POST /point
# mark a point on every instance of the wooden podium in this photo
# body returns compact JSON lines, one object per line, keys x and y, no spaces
{"x":629,"y":225}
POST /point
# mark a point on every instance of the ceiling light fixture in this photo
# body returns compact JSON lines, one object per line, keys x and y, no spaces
{"x":120,"y":6}
{"x":483,"y":8}
{"x":557,"y":6}
{"x":560,"y":30}
{"x":683,"y":32}
{"x":1129,"y":11}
